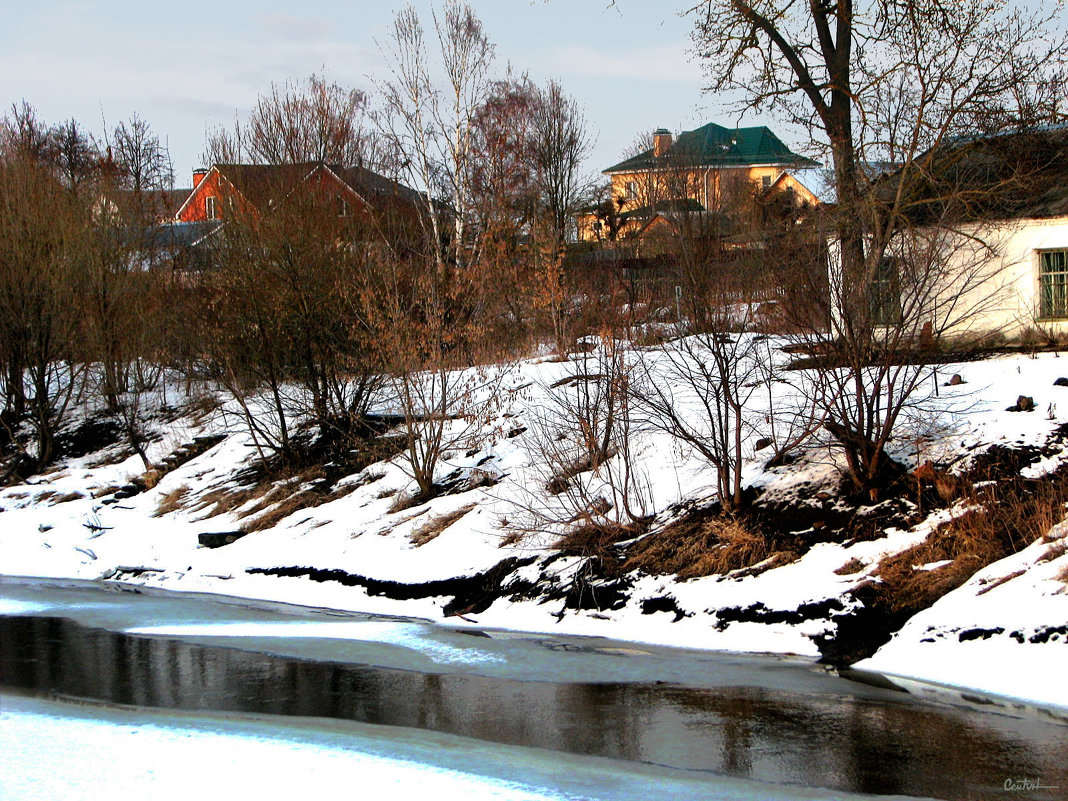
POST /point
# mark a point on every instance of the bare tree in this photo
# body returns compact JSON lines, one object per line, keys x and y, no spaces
{"x":76,"y":155}
{"x":879,"y":81}
{"x":42,"y":244}
{"x":583,"y":443}
{"x":144,"y":163}
{"x":441,"y":362}
{"x":560,"y":144}
{"x":294,"y":123}
{"x":24,"y":136}
{"x":432,"y":127}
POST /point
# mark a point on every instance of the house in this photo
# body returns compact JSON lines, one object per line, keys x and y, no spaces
{"x":710,"y":168}
{"x":152,"y":206}
{"x":228,"y":191}
{"x":981,"y":248}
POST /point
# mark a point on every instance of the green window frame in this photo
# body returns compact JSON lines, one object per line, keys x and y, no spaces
{"x":1053,"y":283}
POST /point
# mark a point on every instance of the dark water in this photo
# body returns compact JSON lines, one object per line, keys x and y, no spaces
{"x":871,"y":741}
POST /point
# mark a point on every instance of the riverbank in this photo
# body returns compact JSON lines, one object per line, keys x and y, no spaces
{"x":346,"y":538}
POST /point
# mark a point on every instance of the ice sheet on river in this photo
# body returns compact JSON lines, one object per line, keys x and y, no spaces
{"x":52,"y":750}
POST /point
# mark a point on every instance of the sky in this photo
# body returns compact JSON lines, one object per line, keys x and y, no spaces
{"x":192,"y":66}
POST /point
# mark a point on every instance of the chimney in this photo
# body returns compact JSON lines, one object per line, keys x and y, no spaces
{"x":661,"y":141}
{"x":198,"y":176}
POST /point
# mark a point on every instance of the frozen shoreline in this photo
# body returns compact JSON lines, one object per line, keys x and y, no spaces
{"x":938,"y":677}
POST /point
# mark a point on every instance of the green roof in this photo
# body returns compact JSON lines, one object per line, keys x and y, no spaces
{"x":715,"y":146}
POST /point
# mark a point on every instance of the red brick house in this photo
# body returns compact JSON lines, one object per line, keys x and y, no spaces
{"x":251,"y":190}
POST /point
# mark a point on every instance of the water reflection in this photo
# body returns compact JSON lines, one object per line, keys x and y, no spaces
{"x":838,"y":741}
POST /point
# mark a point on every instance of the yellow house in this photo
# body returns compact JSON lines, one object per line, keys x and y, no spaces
{"x":707,"y":169}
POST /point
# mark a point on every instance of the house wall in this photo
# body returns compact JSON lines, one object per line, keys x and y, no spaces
{"x":1018,"y":245}
{"x":216,"y":186}
{"x":787,"y":181}
{"x":705,"y":185}
{"x":976,"y":282}
{"x":708,"y":186}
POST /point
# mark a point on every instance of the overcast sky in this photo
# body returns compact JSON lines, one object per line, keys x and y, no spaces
{"x":185,"y":67}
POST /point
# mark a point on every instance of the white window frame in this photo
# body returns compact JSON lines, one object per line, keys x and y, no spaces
{"x":210,"y":210}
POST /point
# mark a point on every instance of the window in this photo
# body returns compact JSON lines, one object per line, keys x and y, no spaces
{"x":209,"y":208}
{"x":342,"y":207}
{"x":1053,"y":283}
{"x":632,"y":188}
{"x":884,"y":293}
{"x":765,"y":182}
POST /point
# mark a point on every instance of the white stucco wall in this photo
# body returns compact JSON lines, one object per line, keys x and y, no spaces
{"x":1012,"y":308}
{"x":978,"y":281}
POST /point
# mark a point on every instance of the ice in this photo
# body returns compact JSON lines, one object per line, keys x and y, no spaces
{"x":51,"y":750}
{"x":406,"y":635}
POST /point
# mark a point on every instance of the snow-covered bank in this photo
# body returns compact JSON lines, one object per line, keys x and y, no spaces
{"x":978,"y":636}
{"x":357,"y":549}
{"x":52,"y":750}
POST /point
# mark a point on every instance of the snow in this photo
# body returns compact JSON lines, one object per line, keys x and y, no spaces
{"x":85,"y":538}
{"x":52,"y":750}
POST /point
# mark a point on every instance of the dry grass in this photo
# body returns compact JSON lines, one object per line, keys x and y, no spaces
{"x":151,"y":478}
{"x":402,"y":501}
{"x":705,"y":546}
{"x":435,"y":525}
{"x":171,"y":501}
{"x":967,"y":543}
{"x":66,"y":498}
{"x":1054,"y":551}
{"x":287,"y":498}
{"x":849,"y":568}
{"x":225,"y":499}
{"x":589,"y":540}
{"x":282,"y":509}
{"x":510,"y":539}
{"x":1008,"y":516}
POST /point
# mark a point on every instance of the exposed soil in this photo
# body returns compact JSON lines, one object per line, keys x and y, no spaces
{"x":470,"y":594}
{"x":93,"y":435}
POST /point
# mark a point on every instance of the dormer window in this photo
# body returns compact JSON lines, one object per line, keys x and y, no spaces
{"x":209,"y":208}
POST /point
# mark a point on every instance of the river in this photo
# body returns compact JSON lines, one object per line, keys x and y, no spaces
{"x":701,"y":720}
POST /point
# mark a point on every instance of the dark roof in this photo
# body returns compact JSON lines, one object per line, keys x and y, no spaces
{"x":261,"y":184}
{"x":159,"y":203}
{"x":181,"y":234}
{"x":369,"y":184}
{"x":1013,"y":175}
{"x":715,"y":146}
